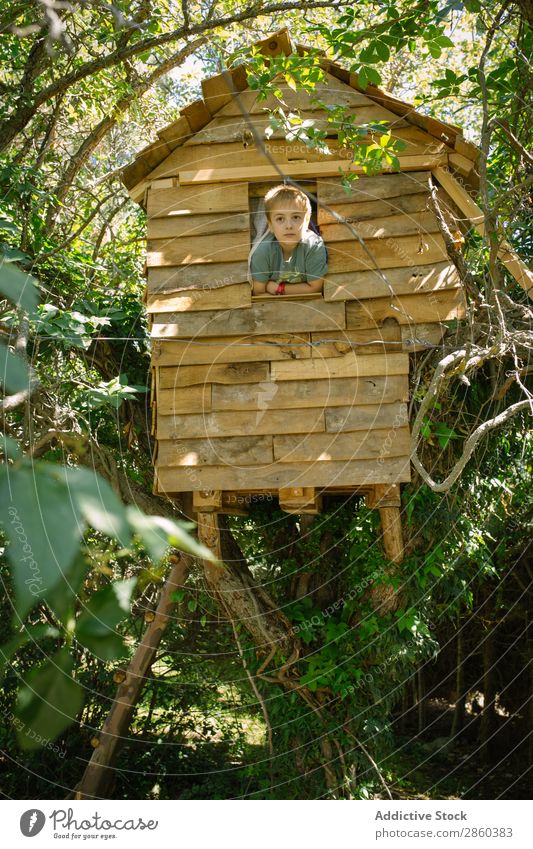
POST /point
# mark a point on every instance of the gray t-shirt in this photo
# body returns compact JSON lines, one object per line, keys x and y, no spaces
{"x":309,"y":260}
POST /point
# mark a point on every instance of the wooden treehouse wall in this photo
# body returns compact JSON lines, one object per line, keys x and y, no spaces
{"x":261,"y":393}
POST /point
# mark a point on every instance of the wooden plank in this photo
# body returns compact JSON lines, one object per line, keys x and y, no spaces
{"x":420,"y":337}
{"x":397,"y":252}
{"x":349,"y":365}
{"x":262,"y":318}
{"x":184,"y":201}
{"x":344,"y":419}
{"x":330,"y":93}
{"x":211,"y":156}
{"x":404,"y":281}
{"x":441,"y":305}
{"x":162,"y":301}
{"x":462,"y":164}
{"x":179,"y":226}
{"x":507,"y":256}
{"x":232,"y":451}
{"x":381,"y":228}
{"x":233,"y":423}
{"x":221,"y":247}
{"x":372,"y":188}
{"x":295,"y":395}
{"x":303,"y":169}
{"x":226,"y":349}
{"x":372,"y":340}
{"x":182,"y":400}
{"x":238,"y":296}
{"x":355,"y":211}
{"x":217,"y":90}
{"x":357,"y":445}
{"x":227,"y":373}
{"x":175,"y":134}
{"x":466,"y":148}
{"x":283,"y":475}
{"x":210,"y":276}
{"x":197,"y":114}
{"x":300,"y":499}
{"x":234,"y":128}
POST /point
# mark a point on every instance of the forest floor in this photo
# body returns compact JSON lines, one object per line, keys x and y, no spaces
{"x":430,"y":765}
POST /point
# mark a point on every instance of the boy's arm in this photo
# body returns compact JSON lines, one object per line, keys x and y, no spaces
{"x":258,"y":287}
{"x":297,"y":288}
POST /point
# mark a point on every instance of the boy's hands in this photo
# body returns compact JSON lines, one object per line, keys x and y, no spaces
{"x":271,"y":287}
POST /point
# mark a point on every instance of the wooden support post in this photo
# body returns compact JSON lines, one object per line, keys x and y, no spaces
{"x":392,"y":533}
{"x":300,"y":499}
{"x":98,"y":774}
{"x":386,"y":498}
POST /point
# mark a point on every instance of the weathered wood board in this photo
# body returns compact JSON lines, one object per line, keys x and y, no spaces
{"x":234,"y":128}
{"x":224,"y":297}
{"x":441,"y":305}
{"x":216,"y":248}
{"x":204,"y":199}
{"x":352,"y":445}
{"x":230,"y":349}
{"x":228,"y":373}
{"x":381,"y":228}
{"x":261,"y":318}
{"x":210,"y":276}
{"x":358,"y":285}
{"x":234,"y":423}
{"x":232,"y":451}
{"x":331,"y":191}
{"x":350,"y":365}
{"x":401,"y":251}
{"x":296,"y":395}
{"x":372,"y":209}
{"x":390,"y":416}
{"x":371,"y":340}
{"x":283,"y":475}
{"x":185,"y":226}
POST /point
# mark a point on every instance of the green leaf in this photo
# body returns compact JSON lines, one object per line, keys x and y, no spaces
{"x":48,"y":701}
{"x":62,"y":598}
{"x":44,"y":529}
{"x":95,"y":629}
{"x":158,"y":533}
{"x":9,"y":447}
{"x":14,"y":373}
{"x":18,"y":287}
{"x":96,"y":501}
{"x":29,"y":634}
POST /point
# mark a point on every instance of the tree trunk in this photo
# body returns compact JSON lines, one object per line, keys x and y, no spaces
{"x":488,"y":715}
{"x":98,"y":776}
{"x":460,"y":692}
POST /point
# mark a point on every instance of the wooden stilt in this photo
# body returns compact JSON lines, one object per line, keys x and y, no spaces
{"x":98,"y":774}
{"x":392,"y":533}
{"x":387,"y":500}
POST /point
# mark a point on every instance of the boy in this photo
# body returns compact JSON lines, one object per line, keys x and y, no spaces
{"x":291,"y":259}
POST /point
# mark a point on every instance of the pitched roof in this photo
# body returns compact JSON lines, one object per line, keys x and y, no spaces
{"x":216,"y":94}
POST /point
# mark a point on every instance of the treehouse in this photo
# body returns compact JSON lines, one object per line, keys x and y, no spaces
{"x":294,"y":397}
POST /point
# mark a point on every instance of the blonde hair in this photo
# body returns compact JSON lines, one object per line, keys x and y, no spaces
{"x":286,"y":194}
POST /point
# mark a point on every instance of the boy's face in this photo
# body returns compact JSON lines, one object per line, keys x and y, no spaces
{"x":288,"y":222}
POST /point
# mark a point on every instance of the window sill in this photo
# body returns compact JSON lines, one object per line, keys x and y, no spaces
{"x":303,"y":296}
